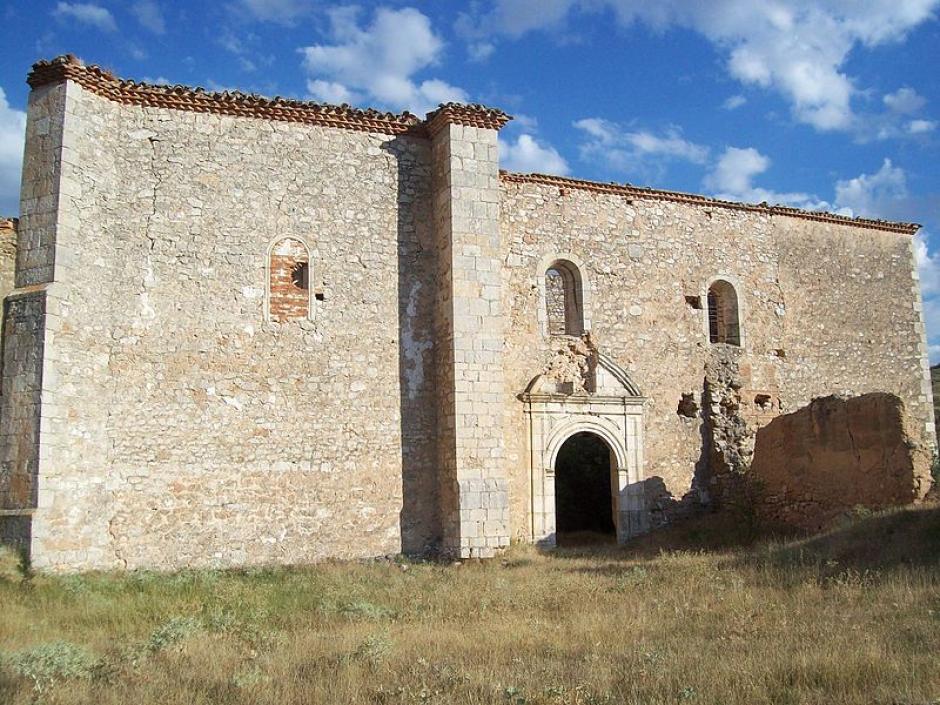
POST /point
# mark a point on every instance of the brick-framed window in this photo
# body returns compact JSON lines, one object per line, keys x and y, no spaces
{"x":289,"y":295}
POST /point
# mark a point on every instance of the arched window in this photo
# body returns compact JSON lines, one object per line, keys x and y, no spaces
{"x":723,"y":323}
{"x":564,"y":299}
{"x":289,"y":281}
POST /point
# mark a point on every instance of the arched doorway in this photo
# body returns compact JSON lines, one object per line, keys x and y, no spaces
{"x":585,"y":482}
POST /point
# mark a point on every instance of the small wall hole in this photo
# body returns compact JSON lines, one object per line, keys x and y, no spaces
{"x":688,"y":406}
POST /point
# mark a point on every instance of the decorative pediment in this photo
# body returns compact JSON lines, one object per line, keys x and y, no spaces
{"x":579,"y":369}
{"x":613,"y":380}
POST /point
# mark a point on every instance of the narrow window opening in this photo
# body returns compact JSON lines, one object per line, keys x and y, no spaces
{"x":563,"y":299}
{"x":300,"y":275}
{"x":723,"y":323}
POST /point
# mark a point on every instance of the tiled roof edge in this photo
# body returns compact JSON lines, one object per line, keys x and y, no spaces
{"x":107,"y":85}
{"x":471,"y":114}
{"x":695,"y":199}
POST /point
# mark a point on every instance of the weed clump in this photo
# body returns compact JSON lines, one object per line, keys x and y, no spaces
{"x":171,"y":633}
{"x":47,"y":664}
{"x":14,"y":565}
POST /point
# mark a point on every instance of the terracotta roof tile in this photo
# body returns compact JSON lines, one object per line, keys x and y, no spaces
{"x":105,"y":84}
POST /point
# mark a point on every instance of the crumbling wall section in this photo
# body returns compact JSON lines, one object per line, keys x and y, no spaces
{"x":836,"y":454}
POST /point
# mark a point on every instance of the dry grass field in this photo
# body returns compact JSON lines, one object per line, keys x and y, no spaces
{"x":852,"y":616}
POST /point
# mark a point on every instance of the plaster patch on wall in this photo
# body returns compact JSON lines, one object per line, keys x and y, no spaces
{"x":413,"y":349}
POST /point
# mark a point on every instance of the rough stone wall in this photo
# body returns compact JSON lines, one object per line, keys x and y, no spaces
{"x":555,"y":302}
{"x":825,"y":308}
{"x":185,"y":422}
{"x":7,"y":255}
{"x":8,"y":467}
{"x":834,"y":455}
{"x":935,"y":388}
{"x":225,"y":439}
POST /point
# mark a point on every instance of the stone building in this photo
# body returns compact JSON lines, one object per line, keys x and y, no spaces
{"x":250,"y":330}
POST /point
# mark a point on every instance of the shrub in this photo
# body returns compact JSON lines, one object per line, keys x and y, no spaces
{"x":47,"y":664}
{"x":14,"y":566}
{"x":172,"y":632}
{"x":365,"y":610}
{"x":374,"y":649}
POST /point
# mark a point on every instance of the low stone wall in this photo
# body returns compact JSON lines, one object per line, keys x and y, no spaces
{"x":836,"y":454}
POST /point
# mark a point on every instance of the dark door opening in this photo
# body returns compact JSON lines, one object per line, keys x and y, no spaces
{"x":583,"y":499}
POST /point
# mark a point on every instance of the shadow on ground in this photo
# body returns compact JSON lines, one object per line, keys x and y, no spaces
{"x":875,"y":543}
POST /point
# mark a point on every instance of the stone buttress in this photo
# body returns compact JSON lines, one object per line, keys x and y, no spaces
{"x":471,"y":330}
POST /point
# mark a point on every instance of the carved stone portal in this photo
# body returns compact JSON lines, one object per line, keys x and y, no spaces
{"x":583,"y":390}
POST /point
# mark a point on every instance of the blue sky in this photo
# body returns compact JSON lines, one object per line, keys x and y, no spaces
{"x":830,"y":104}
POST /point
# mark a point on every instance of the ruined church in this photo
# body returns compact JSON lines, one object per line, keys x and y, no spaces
{"x":244,"y":330}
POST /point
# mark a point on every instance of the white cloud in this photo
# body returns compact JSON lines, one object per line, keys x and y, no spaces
{"x":378,"y":62}
{"x":736,"y":169}
{"x":934,"y":352}
{"x":919,"y":127}
{"x":12,"y":131}
{"x":904,"y":100}
{"x":795,"y":47}
{"x":86,"y":13}
{"x":527,"y":155}
{"x":932,"y":322}
{"x":734,"y":102}
{"x":639,"y":152}
{"x":150,"y":16}
{"x":280,"y":11}
{"x":732,"y":178}
{"x":480,"y":51}
{"x":873,"y":195}
{"x":330,"y":92}
{"x":928,"y":267}
{"x":514,"y":18}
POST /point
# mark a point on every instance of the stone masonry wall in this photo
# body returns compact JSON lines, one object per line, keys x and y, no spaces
{"x":7,"y":255}
{"x":197,"y":409}
{"x":32,"y":314}
{"x":825,"y":308}
{"x":226,"y":439}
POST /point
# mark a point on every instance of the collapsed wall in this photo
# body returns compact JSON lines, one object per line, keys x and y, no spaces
{"x":801,"y":470}
{"x":836,"y":454}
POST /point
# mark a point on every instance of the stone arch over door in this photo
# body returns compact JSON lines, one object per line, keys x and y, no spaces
{"x":610,"y":407}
